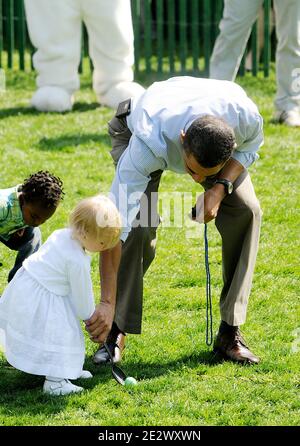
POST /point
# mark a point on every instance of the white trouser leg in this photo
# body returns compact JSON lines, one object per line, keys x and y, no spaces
{"x":287,"y":15}
{"x":55,"y":29}
{"x":110,"y":44}
{"x":235,"y":29}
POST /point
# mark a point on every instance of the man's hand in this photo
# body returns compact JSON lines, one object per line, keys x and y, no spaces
{"x":212,"y":201}
{"x":208,"y":204}
{"x":99,"y":324}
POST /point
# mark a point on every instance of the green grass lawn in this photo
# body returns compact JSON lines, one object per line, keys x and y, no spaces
{"x":179,"y":381}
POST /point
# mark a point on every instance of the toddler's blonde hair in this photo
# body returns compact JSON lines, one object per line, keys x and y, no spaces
{"x":96,"y":217}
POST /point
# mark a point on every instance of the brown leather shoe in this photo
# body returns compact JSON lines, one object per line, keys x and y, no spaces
{"x":231,"y":345}
{"x":116,"y":347}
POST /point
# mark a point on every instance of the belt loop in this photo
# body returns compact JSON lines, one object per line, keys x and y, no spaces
{"x":124,"y":109}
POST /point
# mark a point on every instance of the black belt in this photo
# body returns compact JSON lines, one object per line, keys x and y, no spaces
{"x":124,"y":109}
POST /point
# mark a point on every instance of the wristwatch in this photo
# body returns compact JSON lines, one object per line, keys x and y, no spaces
{"x":227,"y":184}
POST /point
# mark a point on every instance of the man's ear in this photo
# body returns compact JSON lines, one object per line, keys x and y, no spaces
{"x":182,"y":135}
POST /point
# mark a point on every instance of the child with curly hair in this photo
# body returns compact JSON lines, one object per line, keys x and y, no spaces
{"x":25,"y":207}
{"x":41,"y":307}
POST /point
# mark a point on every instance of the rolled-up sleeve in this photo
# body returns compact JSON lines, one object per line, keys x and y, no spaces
{"x":246,"y":153}
{"x":131,"y":179}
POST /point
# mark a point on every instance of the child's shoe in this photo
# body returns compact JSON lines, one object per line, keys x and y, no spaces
{"x":62,"y":387}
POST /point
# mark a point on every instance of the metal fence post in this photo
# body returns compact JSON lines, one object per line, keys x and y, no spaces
{"x":242,"y":69}
{"x":171,"y":34}
{"x":182,"y":34}
{"x":148,"y":35}
{"x":267,"y":5}
{"x":136,"y":22}
{"x":217,"y":15}
{"x":195,"y":34}
{"x":21,"y":35}
{"x":254,"y":49}
{"x":207,"y":35}
{"x":160,"y":35}
{"x":80,"y":67}
{"x":10,"y":32}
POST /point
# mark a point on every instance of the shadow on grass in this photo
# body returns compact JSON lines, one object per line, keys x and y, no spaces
{"x":148,"y":370}
{"x":21,"y":393}
{"x":71,"y":141}
{"x":17,"y":111}
{"x":86,"y":107}
{"x":13,"y":380}
{"x":79,"y":107}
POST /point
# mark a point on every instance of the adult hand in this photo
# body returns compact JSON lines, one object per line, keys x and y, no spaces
{"x":208,"y":204}
{"x":99,"y":324}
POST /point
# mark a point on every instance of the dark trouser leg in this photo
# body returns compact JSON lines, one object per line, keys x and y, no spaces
{"x":26,"y":245}
{"x":138,"y":253}
{"x":139,"y":249}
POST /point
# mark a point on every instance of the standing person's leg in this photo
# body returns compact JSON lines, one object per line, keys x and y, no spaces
{"x":238,"y":221}
{"x":138,"y":252}
{"x":110,"y":30}
{"x":235,"y":28}
{"x":287,"y":101}
{"x":26,"y":245}
{"x":55,"y":30}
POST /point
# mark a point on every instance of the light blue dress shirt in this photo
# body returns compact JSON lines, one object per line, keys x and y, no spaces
{"x":156,"y":120}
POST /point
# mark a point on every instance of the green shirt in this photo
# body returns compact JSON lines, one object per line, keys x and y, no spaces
{"x":11,"y":217}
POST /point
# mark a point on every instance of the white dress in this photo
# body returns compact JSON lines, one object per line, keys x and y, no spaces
{"x":41,"y":307}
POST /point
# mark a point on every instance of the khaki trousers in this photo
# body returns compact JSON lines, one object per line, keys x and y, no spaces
{"x":238,"y":222}
{"x":235,"y":29}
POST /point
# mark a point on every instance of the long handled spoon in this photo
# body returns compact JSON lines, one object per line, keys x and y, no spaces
{"x":117,"y":373}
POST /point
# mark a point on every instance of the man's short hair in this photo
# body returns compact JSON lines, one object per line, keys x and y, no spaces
{"x":210,"y":140}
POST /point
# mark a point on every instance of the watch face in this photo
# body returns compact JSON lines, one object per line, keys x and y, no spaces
{"x":227,"y":184}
